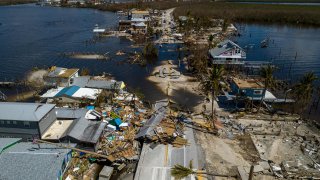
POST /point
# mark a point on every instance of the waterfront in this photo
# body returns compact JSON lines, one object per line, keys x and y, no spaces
{"x":38,"y":36}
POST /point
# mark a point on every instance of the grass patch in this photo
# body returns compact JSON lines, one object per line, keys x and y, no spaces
{"x":261,"y":13}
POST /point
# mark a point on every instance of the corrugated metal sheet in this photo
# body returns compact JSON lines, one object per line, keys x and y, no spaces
{"x":24,"y":111}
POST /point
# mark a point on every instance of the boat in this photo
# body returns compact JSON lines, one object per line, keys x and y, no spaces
{"x":264,"y":43}
{"x":98,"y":30}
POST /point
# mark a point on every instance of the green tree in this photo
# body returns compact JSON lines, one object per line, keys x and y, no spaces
{"x":267,"y":74}
{"x":150,"y":50}
{"x":303,"y":91}
{"x":211,"y":84}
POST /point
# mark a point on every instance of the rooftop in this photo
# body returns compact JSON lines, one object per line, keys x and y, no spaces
{"x":72,"y":91}
{"x":139,"y":12}
{"x":61,"y":72}
{"x":81,"y":129}
{"x":26,"y":160}
{"x":222,"y":47}
{"x":248,"y":83}
{"x":7,"y":142}
{"x":92,"y":82}
{"x":24,"y":111}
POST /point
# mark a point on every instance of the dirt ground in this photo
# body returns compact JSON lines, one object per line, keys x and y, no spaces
{"x":277,"y":141}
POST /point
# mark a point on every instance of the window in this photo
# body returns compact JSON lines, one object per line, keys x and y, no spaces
{"x":14,"y":122}
{"x":257,"y":92}
{"x":8,"y":122}
{"x":1,"y":122}
{"x":26,"y":124}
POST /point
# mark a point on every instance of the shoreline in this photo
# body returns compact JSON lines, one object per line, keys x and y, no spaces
{"x":278,"y":14}
{"x":16,"y":2}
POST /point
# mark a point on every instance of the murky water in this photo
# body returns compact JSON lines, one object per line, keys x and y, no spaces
{"x":38,"y":36}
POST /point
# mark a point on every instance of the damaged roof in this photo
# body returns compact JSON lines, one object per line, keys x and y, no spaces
{"x":147,"y":129}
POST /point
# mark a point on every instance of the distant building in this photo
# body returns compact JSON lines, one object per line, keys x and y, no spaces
{"x":139,"y":14}
{"x":25,"y":120}
{"x":227,"y":52}
{"x":58,"y":76}
{"x":139,"y":28}
{"x":71,"y":95}
{"x":250,"y":88}
{"x":25,"y":160}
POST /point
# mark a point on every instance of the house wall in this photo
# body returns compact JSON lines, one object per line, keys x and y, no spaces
{"x":19,"y":129}
{"x":46,"y":121}
{"x":53,"y":81}
{"x":249,"y":92}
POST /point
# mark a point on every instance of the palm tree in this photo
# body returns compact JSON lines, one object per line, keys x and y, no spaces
{"x":269,"y":81}
{"x":180,"y":172}
{"x":211,"y":83}
{"x":303,"y":91}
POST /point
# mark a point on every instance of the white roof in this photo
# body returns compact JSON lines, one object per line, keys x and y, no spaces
{"x":141,"y":24}
{"x":87,"y":93}
{"x":138,"y":20}
{"x":51,"y":92}
{"x":269,"y":96}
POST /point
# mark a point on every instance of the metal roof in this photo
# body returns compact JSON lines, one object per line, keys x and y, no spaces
{"x":155,"y":162}
{"x":26,"y":160}
{"x":147,"y":129}
{"x":89,"y":82}
{"x":24,"y":111}
{"x":87,"y":131}
{"x":82,"y":129}
{"x":68,"y":91}
{"x":7,"y":142}
{"x":222,"y":47}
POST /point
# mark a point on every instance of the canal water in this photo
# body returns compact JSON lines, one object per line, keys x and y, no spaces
{"x":34,"y":36}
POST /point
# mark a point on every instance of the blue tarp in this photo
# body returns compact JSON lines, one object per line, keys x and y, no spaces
{"x":68,"y":91}
{"x":116,"y":122}
{"x":90,"y":107}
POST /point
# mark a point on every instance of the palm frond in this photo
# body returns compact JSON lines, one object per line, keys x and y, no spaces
{"x":180,"y":172}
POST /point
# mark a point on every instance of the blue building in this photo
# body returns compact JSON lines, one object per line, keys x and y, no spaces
{"x":249,"y":88}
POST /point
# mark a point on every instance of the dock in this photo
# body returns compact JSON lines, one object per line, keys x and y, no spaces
{"x":6,"y":84}
{"x":3,"y":97}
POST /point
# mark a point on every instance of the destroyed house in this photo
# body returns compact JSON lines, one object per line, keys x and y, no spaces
{"x":147,"y":131}
{"x":26,"y":160}
{"x":25,"y":120}
{"x":58,"y":76}
{"x":76,"y":126}
{"x":124,"y":25}
{"x":227,"y":52}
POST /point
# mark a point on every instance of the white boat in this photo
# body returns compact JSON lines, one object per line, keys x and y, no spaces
{"x":98,"y":30}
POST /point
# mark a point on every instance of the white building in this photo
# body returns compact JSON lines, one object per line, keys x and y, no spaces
{"x":227,"y":52}
{"x":58,"y":76}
